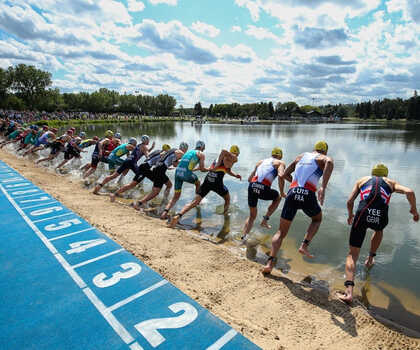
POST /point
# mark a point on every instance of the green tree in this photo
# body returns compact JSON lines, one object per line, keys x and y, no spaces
{"x":29,"y":82}
{"x":198,"y":109}
{"x":5,"y":83}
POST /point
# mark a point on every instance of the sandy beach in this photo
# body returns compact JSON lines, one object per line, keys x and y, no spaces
{"x":275,"y":312}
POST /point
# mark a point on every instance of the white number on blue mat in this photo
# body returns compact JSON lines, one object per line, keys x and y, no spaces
{"x":148,"y":329}
{"x":79,"y":247}
{"x":130,"y":270}
{"x":45,"y":211}
{"x":62,"y":224}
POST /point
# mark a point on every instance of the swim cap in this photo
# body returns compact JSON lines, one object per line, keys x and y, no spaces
{"x":77,"y":139}
{"x":321,"y":146}
{"x":96,"y":138}
{"x":73,"y":128}
{"x":183,"y":145}
{"x":200,"y":144}
{"x":380,"y":170}
{"x":54,"y":130}
{"x":132,"y":141}
{"x":109,"y":133}
{"x":117,"y":135}
{"x":45,"y":127}
{"x":276,"y":151}
{"x":166,"y":147}
{"x":82,"y":134}
{"x":36,"y":128}
{"x":144,"y":138}
{"x":234,"y":149}
{"x":70,"y":131}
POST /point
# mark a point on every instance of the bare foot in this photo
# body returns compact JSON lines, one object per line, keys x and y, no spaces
{"x":265,"y":224}
{"x":174,"y":221}
{"x":164,"y":215}
{"x":344,"y":296}
{"x":112,"y":197}
{"x":267,"y":269}
{"x":304,"y":251}
{"x":97,"y":188}
{"x":370,"y":261}
{"x":137,"y":205}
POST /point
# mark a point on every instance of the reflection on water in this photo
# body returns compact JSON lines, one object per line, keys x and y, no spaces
{"x":355,"y":149}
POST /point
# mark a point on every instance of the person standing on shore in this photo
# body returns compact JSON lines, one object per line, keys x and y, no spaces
{"x":214,"y":182}
{"x":375,"y":193}
{"x":259,"y":187}
{"x":308,"y":167}
{"x":184,"y":173}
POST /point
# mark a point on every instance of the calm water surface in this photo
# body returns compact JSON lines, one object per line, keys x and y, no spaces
{"x":392,"y":286}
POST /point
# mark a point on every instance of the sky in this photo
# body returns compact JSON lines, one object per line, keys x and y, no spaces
{"x":314,"y":52}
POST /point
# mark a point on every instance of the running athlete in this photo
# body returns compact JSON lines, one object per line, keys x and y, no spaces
{"x":375,"y":193}
{"x":142,"y":171}
{"x":12,"y":137}
{"x":130,"y":163}
{"x":184,"y":172}
{"x":102,"y":149}
{"x":259,"y":187}
{"x":214,"y":182}
{"x":114,"y":157}
{"x":30,"y":138}
{"x":72,"y":150}
{"x":167,"y":160}
{"x":309,"y":167}
{"x":88,"y":142}
{"x":58,"y":146}
{"x":46,"y":138}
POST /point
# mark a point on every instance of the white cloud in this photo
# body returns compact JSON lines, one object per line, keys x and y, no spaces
{"x":260,"y":33}
{"x":135,"y":6}
{"x":410,"y":9}
{"x":236,"y":29}
{"x":252,"y":6}
{"x":206,"y":29}
{"x":167,"y":2}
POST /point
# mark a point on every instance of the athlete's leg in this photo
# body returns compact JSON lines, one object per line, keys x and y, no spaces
{"x":350,"y":269}
{"x":197,"y":200}
{"x":226,"y":197}
{"x":312,"y":230}
{"x":249,"y":221}
{"x":276,"y":244}
{"x":271,"y":209}
{"x":105,"y":181}
{"x":375,"y":242}
{"x":172,"y":202}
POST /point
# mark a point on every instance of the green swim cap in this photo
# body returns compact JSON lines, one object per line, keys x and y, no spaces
{"x":235,"y":149}
{"x":276,"y":151}
{"x":321,"y":146}
{"x":380,"y":170}
{"x":166,"y":147}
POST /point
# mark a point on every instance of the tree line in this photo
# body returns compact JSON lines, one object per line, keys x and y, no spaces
{"x":26,"y":87}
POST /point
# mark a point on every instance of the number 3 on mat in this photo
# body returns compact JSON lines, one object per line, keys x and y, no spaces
{"x":148,"y":329}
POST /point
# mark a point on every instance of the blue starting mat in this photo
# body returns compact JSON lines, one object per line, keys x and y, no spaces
{"x":65,"y":285}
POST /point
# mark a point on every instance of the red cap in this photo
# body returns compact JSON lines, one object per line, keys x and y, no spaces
{"x":70,"y":131}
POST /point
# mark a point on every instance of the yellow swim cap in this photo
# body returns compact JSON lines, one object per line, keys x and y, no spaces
{"x":321,"y":146}
{"x":166,"y":147}
{"x":380,"y":170}
{"x":277,"y":152}
{"x":234,"y":149}
{"x":109,"y":133}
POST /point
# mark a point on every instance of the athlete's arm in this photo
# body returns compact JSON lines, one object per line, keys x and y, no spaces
{"x":146,"y":151}
{"x":231,"y":173}
{"x":201,"y":166}
{"x":350,"y":202}
{"x":101,"y":146}
{"x":287,"y":174}
{"x":153,"y":146}
{"x":254,"y":171}
{"x":328,"y":168}
{"x":411,"y":198}
{"x":280,"y":173}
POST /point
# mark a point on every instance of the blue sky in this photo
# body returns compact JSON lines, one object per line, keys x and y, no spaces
{"x":220,"y":51}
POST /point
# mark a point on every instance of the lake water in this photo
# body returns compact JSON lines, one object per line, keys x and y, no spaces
{"x":392,"y":286}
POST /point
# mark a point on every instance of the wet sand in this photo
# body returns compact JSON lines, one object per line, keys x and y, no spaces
{"x":275,"y":312}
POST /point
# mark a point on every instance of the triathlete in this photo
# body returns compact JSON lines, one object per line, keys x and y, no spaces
{"x":184,"y":172}
{"x":46,"y":138}
{"x":375,"y":193}
{"x":259,"y":187}
{"x":309,"y":167}
{"x":72,"y":150}
{"x":167,"y":160}
{"x":143,"y":171}
{"x":102,"y":149}
{"x":58,"y":146}
{"x":214,"y":182}
{"x":30,"y":138}
{"x":12,"y":137}
{"x":88,"y":142}
{"x":139,"y":151}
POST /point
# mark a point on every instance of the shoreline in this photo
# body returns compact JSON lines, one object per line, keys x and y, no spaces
{"x":275,"y":312}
